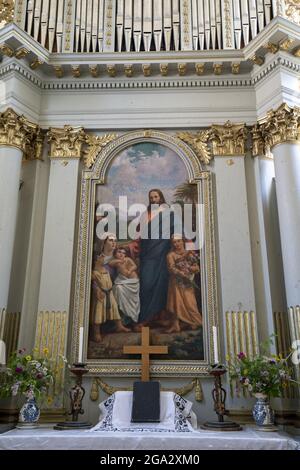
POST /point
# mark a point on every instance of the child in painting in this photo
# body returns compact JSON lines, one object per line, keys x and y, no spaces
{"x":127,"y":285}
{"x":181,"y":303}
{"x":106,"y":307}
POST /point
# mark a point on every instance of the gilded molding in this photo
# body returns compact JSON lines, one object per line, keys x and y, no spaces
{"x":292,"y":10}
{"x":66,"y":142}
{"x":6,"y":11}
{"x":195,"y":384}
{"x":198,"y":142}
{"x":281,"y":125}
{"x":17,"y":131}
{"x":95,"y":144}
{"x":228,"y":139}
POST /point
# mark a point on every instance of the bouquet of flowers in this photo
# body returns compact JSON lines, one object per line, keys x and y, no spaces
{"x":266,"y":374}
{"x":188,"y":265}
{"x":27,"y":374}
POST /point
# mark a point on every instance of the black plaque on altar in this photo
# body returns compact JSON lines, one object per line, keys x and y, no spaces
{"x":146,"y":402}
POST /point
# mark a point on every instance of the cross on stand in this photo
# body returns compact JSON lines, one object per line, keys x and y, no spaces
{"x":145,"y":350}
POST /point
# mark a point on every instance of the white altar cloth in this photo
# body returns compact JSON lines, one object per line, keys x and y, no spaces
{"x":45,"y":438}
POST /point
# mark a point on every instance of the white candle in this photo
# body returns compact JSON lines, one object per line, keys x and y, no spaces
{"x":215,"y":343}
{"x":80,"y":353}
{"x":2,"y":353}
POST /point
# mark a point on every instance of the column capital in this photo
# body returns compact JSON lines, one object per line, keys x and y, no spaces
{"x":17,"y":131}
{"x":280,"y":126}
{"x":66,"y":142}
{"x":228,"y":139}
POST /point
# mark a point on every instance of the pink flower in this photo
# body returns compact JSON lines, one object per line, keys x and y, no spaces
{"x":241,"y":355}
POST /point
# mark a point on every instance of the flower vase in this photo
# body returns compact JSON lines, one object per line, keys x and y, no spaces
{"x":263,"y":414}
{"x":29,"y":413}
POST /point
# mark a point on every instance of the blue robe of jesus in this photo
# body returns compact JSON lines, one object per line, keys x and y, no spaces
{"x":154,"y":275}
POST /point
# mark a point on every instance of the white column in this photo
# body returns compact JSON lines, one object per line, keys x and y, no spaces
{"x":234,"y":238}
{"x":10,"y":169}
{"x":59,"y":236}
{"x":287,"y":173}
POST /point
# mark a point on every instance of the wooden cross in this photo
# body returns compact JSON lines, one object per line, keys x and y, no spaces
{"x":145,"y":350}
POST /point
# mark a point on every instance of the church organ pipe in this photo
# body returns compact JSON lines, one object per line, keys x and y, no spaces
{"x":157,"y":23}
{"x":176,"y":23}
{"x":162,"y":24}
{"x":44,"y":21}
{"x":147,"y":25}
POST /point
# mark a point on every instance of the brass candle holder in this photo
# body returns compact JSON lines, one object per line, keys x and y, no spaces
{"x":219,"y":398}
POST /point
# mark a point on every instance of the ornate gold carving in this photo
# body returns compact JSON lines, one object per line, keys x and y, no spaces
{"x":271,"y":47}
{"x":111,"y":70}
{"x":199,"y":68}
{"x":6,"y":12}
{"x":241,"y":335}
{"x":217,"y":68}
{"x":95,"y":144}
{"x":296,"y":52}
{"x":36,"y":63}
{"x":292,"y":10}
{"x":198,"y":142}
{"x":181,"y":69}
{"x":258,"y":143}
{"x":21,"y":53}
{"x":286,"y":44}
{"x":17,"y":131}
{"x":66,"y":142}
{"x":235,"y":67}
{"x":7,"y":50}
{"x":94,"y":70}
{"x":146,"y":70}
{"x":76,"y":71}
{"x":164,"y":69}
{"x":128,"y":69}
{"x":258,"y":60}
{"x":58,"y":70}
{"x":109,"y":390}
{"x":281,"y":125}
{"x":229,"y":139}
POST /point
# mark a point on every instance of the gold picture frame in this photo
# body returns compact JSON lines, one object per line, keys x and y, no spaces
{"x":80,"y":326}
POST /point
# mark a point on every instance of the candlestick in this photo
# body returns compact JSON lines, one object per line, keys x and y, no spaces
{"x":215,"y":343}
{"x":80,"y":352}
{"x":219,"y":397}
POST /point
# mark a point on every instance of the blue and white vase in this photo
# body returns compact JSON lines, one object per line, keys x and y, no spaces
{"x":29,"y":413}
{"x":262,"y":413}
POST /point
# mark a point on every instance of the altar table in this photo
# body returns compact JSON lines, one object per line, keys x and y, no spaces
{"x":45,"y":438}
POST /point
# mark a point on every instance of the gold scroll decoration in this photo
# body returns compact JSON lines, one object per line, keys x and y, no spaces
{"x":198,"y":141}
{"x":94,"y":145}
{"x":241,"y":335}
{"x":51,"y":335}
{"x":228,"y":139}
{"x":11,"y":331}
{"x":195,"y":384}
{"x":17,"y":131}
